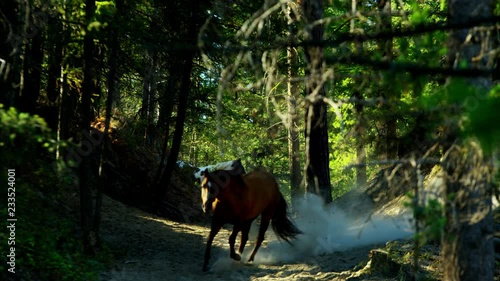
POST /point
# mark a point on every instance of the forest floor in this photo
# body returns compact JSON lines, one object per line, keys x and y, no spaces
{"x":154,"y":248}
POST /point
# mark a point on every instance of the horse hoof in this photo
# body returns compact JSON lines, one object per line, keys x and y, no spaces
{"x":236,"y":257}
{"x":205,"y":268}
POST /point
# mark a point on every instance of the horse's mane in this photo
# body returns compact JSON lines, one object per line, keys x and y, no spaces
{"x":222,"y":166}
{"x":259,"y":169}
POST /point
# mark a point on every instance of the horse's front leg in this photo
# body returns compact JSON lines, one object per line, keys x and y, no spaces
{"x":216,"y":226}
{"x":232,"y":240}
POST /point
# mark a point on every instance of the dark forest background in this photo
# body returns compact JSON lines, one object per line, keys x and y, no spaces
{"x":127,"y":98}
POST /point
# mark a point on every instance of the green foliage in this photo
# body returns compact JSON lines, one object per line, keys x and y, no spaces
{"x":21,"y":135}
{"x":478,"y":110}
{"x":105,"y":8}
{"x":420,"y":13}
{"x":342,"y":154}
{"x":430,"y":217}
{"x":482,"y":114}
{"x":249,"y":133}
{"x":47,"y":243}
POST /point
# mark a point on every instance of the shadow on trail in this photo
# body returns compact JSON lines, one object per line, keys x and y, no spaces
{"x":149,"y":247}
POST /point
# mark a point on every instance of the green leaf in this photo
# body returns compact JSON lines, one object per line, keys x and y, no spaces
{"x":95,"y":25}
{"x":461,"y":92}
{"x":482,"y":120}
{"x":420,"y":13}
{"x":442,"y":6}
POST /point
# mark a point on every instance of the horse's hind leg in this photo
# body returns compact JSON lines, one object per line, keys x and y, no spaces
{"x":232,"y":240}
{"x":245,"y":228}
{"x":216,"y":226}
{"x":264,"y":224}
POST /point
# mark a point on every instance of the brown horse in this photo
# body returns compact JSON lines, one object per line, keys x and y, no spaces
{"x":239,"y":199}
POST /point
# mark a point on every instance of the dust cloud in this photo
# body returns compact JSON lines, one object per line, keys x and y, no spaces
{"x":326,"y":230}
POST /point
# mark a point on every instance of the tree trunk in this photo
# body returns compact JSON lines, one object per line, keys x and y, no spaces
{"x":179,"y":123}
{"x":188,"y":36}
{"x":467,"y":242}
{"x":69,"y":97}
{"x":167,"y":100}
{"x":90,"y":238}
{"x":113,"y":78}
{"x":187,"y":57}
{"x":68,"y":104}
{"x":55,"y":45}
{"x":166,"y":109}
{"x":293,"y":119}
{"x":112,"y":82}
{"x":33,"y":56}
{"x":61,"y":133}
{"x":317,"y":152}
{"x":148,"y":97}
{"x":389,"y":147}
{"x":293,"y":134}
{"x":57,"y":72}
{"x":359,"y":134}
{"x":360,"y":126}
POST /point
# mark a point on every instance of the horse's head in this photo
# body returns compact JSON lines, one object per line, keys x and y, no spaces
{"x":206,"y":189}
{"x":212,"y":185}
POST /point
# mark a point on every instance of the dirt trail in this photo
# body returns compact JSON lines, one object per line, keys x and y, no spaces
{"x":158,"y":249}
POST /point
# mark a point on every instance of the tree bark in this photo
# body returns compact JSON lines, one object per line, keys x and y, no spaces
{"x":166,"y":109}
{"x":112,"y":82}
{"x":179,"y":124}
{"x":293,"y":119}
{"x":33,"y":56}
{"x":90,"y":238}
{"x":389,"y":123}
{"x":467,"y":242}
{"x":167,"y":100}
{"x":149,"y":96}
{"x":317,"y":151}
{"x":55,"y":45}
{"x":293,"y":135}
{"x":187,"y":61}
{"x":60,"y":133}
{"x":359,"y":134}
{"x":360,"y":126}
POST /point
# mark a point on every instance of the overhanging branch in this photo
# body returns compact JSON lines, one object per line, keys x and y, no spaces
{"x":408,"y":67}
{"x":340,"y":38}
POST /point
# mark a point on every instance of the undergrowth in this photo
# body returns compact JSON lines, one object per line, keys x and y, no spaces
{"x":47,"y":236}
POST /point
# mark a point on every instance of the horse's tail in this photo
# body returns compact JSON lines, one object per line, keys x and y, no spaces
{"x":283,"y":226}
